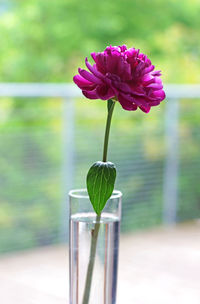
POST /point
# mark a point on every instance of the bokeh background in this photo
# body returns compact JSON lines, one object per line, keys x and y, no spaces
{"x":49,"y":138}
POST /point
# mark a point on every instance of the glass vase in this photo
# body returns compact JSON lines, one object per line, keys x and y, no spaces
{"x":94,"y":246}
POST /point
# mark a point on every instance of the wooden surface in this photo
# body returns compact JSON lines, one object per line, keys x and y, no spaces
{"x":156,"y":267}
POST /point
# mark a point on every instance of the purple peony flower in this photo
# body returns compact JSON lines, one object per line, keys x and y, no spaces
{"x":123,"y":74}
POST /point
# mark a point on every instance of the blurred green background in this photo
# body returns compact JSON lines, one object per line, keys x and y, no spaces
{"x":46,"y":41}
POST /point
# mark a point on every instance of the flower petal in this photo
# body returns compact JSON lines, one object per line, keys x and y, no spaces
{"x":85,"y":74}
{"x":126,"y":104}
{"x":82,"y":82}
{"x":160,"y":95}
{"x":99,"y":58}
{"x":90,"y":94}
{"x":104,"y":92}
{"x":93,"y":69}
{"x":145,"y":108}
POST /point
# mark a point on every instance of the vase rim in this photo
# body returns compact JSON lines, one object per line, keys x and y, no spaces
{"x":82,"y":193}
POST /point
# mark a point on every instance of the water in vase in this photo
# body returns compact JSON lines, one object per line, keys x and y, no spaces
{"x":104,"y":278}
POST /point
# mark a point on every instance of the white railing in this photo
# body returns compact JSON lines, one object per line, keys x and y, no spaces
{"x":69,"y":92}
{"x":174,"y":91}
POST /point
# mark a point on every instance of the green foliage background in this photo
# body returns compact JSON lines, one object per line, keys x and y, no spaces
{"x":46,"y":41}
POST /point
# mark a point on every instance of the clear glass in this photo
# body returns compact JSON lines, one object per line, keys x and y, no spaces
{"x":83,"y":223}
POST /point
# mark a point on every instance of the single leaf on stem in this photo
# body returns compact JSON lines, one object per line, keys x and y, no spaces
{"x":100,"y":184}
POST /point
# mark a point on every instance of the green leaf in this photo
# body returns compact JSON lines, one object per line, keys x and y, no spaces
{"x":100,"y":184}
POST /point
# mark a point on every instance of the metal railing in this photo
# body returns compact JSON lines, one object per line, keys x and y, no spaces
{"x":69,"y":93}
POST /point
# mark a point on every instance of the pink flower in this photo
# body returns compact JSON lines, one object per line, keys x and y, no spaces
{"x":123,"y":74}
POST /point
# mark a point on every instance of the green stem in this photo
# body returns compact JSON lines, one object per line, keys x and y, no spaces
{"x":90,"y":269}
{"x":107,"y":131}
{"x":95,"y":232}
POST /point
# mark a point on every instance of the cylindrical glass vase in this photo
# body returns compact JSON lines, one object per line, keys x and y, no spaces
{"x":94,"y":246}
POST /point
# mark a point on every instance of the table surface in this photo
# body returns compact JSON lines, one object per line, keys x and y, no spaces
{"x":159,"y":266}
